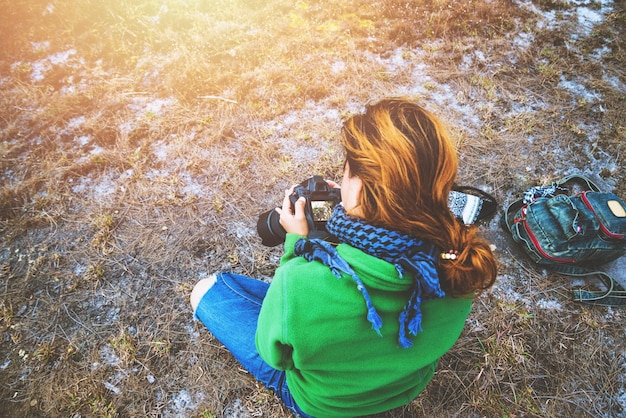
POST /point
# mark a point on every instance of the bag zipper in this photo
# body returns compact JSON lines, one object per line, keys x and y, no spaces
{"x":535,"y":241}
{"x":602,"y":226}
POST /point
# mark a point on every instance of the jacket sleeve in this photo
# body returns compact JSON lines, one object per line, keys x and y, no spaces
{"x":272,"y":336}
{"x":290,"y":243}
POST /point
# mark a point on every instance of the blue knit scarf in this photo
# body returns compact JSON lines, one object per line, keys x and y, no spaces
{"x":405,"y":252}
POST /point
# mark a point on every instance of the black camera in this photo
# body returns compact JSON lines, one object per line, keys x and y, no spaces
{"x":320,"y":202}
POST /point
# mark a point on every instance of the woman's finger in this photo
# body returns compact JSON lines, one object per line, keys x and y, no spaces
{"x":332,"y":184}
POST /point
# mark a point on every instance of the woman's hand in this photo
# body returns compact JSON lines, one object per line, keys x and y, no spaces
{"x":332,"y":184}
{"x":295,"y":222}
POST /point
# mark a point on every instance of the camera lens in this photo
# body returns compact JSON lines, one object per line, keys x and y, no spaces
{"x":269,"y":228}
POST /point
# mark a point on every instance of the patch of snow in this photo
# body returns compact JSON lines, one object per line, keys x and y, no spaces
{"x":236,"y":410}
{"x":621,"y":397}
{"x":40,"y":46}
{"x":523,"y":40}
{"x":338,"y":66}
{"x":504,"y":289}
{"x":193,"y":333}
{"x":82,"y":140}
{"x":614,"y":82}
{"x":127,"y":174}
{"x":155,"y":174}
{"x":161,"y":150}
{"x":79,"y":270}
{"x":48,"y":10}
{"x":396,"y":62}
{"x":549,"y":21}
{"x":126,"y":127}
{"x":69,"y":88}
{"x":579,"y":89}
{"x":61,"y":58}
{"x":104,"y":188}
{"x":599,"y":53}
{"x":156,"y":19}
{"x":143,"y":106}
{"x":108,"y":356}
{"x":242,"y":229}
{"x":466,"y":62}
{"x":192,"y":187}
{"x":10,"y":176}
{"x":440,"y":95}
{"x":587,"y":16}
{"x":282,"y":130}
{"x":181,"y":402}
{"x":156,"y":106}
{"x":480,"y":56}
{"x":112,"y":388}
{"x":75,"y":123}
{"x":41,"y":67}
{"x":616,"y":269}
{"x":528,"y":5}
{"x":448,"y":98}
{"x":549,"y":304}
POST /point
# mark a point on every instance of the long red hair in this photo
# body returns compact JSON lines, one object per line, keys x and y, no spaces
{"x":407,"y":162}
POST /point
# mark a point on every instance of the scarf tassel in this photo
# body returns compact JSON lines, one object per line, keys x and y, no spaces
{"x":411,"y":317}
{"x":403,"y":340}
{"x":415,"y":324}
{"x":372,"y":315}
{"x":375,"y":319}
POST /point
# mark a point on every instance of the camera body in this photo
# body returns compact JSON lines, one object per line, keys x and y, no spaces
{"x":320,"y":202}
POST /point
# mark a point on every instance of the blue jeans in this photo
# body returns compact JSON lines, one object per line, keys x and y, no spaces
{"x":230,"y":310}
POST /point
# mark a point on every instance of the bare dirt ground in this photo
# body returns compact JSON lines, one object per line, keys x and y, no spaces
{"x":139,"y":140}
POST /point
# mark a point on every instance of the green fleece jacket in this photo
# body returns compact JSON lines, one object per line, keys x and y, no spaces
{"x":314,"y":325}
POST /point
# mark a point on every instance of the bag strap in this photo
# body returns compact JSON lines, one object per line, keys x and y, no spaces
{"x":615,"y":295}
{"x":509,"y":212}
{"x":580,"y":179}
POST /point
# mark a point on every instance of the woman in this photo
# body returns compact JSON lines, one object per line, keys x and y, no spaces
{"x":358,"y":328}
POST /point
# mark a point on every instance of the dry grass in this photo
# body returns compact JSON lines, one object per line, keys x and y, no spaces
{"x":140,"y":140}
